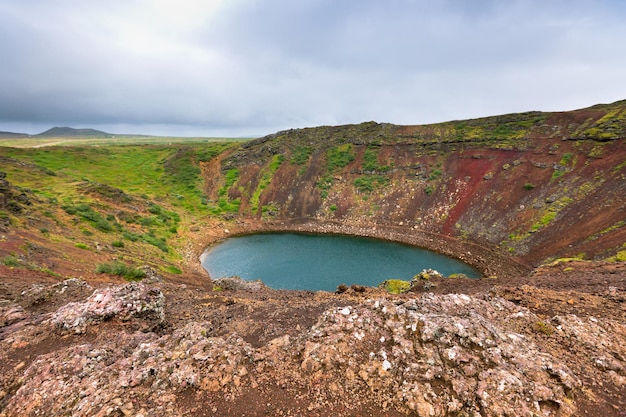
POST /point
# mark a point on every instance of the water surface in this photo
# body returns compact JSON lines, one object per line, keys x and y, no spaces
{"x":322,"y":262}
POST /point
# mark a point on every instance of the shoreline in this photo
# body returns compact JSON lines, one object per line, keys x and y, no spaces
{"x":488,"y":261}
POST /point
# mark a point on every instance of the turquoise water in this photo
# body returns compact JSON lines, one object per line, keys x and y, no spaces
{"x":322,"y":262}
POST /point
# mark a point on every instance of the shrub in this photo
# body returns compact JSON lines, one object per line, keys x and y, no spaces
{"x":117,"y":244}
{"x":529,"y":186}
{"x":81,"y":246}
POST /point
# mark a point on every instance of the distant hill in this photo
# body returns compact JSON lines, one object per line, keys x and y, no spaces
{"x":11,"y":135}
{"x":69,"y":131}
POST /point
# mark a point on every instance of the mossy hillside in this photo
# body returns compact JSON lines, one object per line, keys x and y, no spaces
{"x":131,"y":201}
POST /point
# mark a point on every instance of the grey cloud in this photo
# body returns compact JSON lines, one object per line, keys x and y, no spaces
{"x":258,"y":66}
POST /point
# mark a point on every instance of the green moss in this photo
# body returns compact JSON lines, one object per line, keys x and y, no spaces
{"x":395,"y":286}
{"x":619,"y":257}
{"x":544,"y":221}
{"x":543,"y":328}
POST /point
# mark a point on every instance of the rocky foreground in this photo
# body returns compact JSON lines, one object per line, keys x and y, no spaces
{"x":158,"y":348}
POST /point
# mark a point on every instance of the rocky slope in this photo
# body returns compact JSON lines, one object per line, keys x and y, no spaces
{"x":158,"y":348}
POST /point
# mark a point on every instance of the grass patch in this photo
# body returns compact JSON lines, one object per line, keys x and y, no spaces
{"x":370,"y":182}
{"x":301,"y":155}
{"x":81,"y":246}
{"x":85,"y":212}
{"x":224,"y":204}
{"x":339,"y":157}
{"x":370,"y":161}
{"x":10,"y":260}
{"x":173,"y":270}
{"x":121,"y":269}
{"x":266,"y":179}
{"x":435,"y":174}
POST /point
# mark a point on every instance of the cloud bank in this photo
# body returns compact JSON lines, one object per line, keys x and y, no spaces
{"x":251,"y":67}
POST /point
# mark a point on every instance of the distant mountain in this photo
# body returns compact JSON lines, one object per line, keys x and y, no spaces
{"x":69,"y":131}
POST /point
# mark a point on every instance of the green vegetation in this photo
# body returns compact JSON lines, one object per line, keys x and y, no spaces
{"x":225,"y":204}
{"x":395,"y":286}
{"x":266,"y":178}
{"x":544,"y":221}
{"x":81,"y":246}
{"x":551,"y":213}
{"x":369,"y":183}
{"x":121,"y":269}
{"x":137,"y":193}
{"x":435,"y":174}
{"x":339,"y":157}
{"x":528,"y":186}
{"x":301,"y":155}
{"x":324,"y":184}
{"x":506,"y":130}
{"x":566,"y":159}
{"x":110,"y":140}
{"x":85,"y":212}
{"x":370,"y":160}
{"x":543,"y":328}
{"x":10,"y":260}
{"x":619,"y":256}
{"x":172,"y":269}
{"x":611,"y":126}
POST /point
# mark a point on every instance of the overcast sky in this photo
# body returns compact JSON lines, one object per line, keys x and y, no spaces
{"x":252,"y":67}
